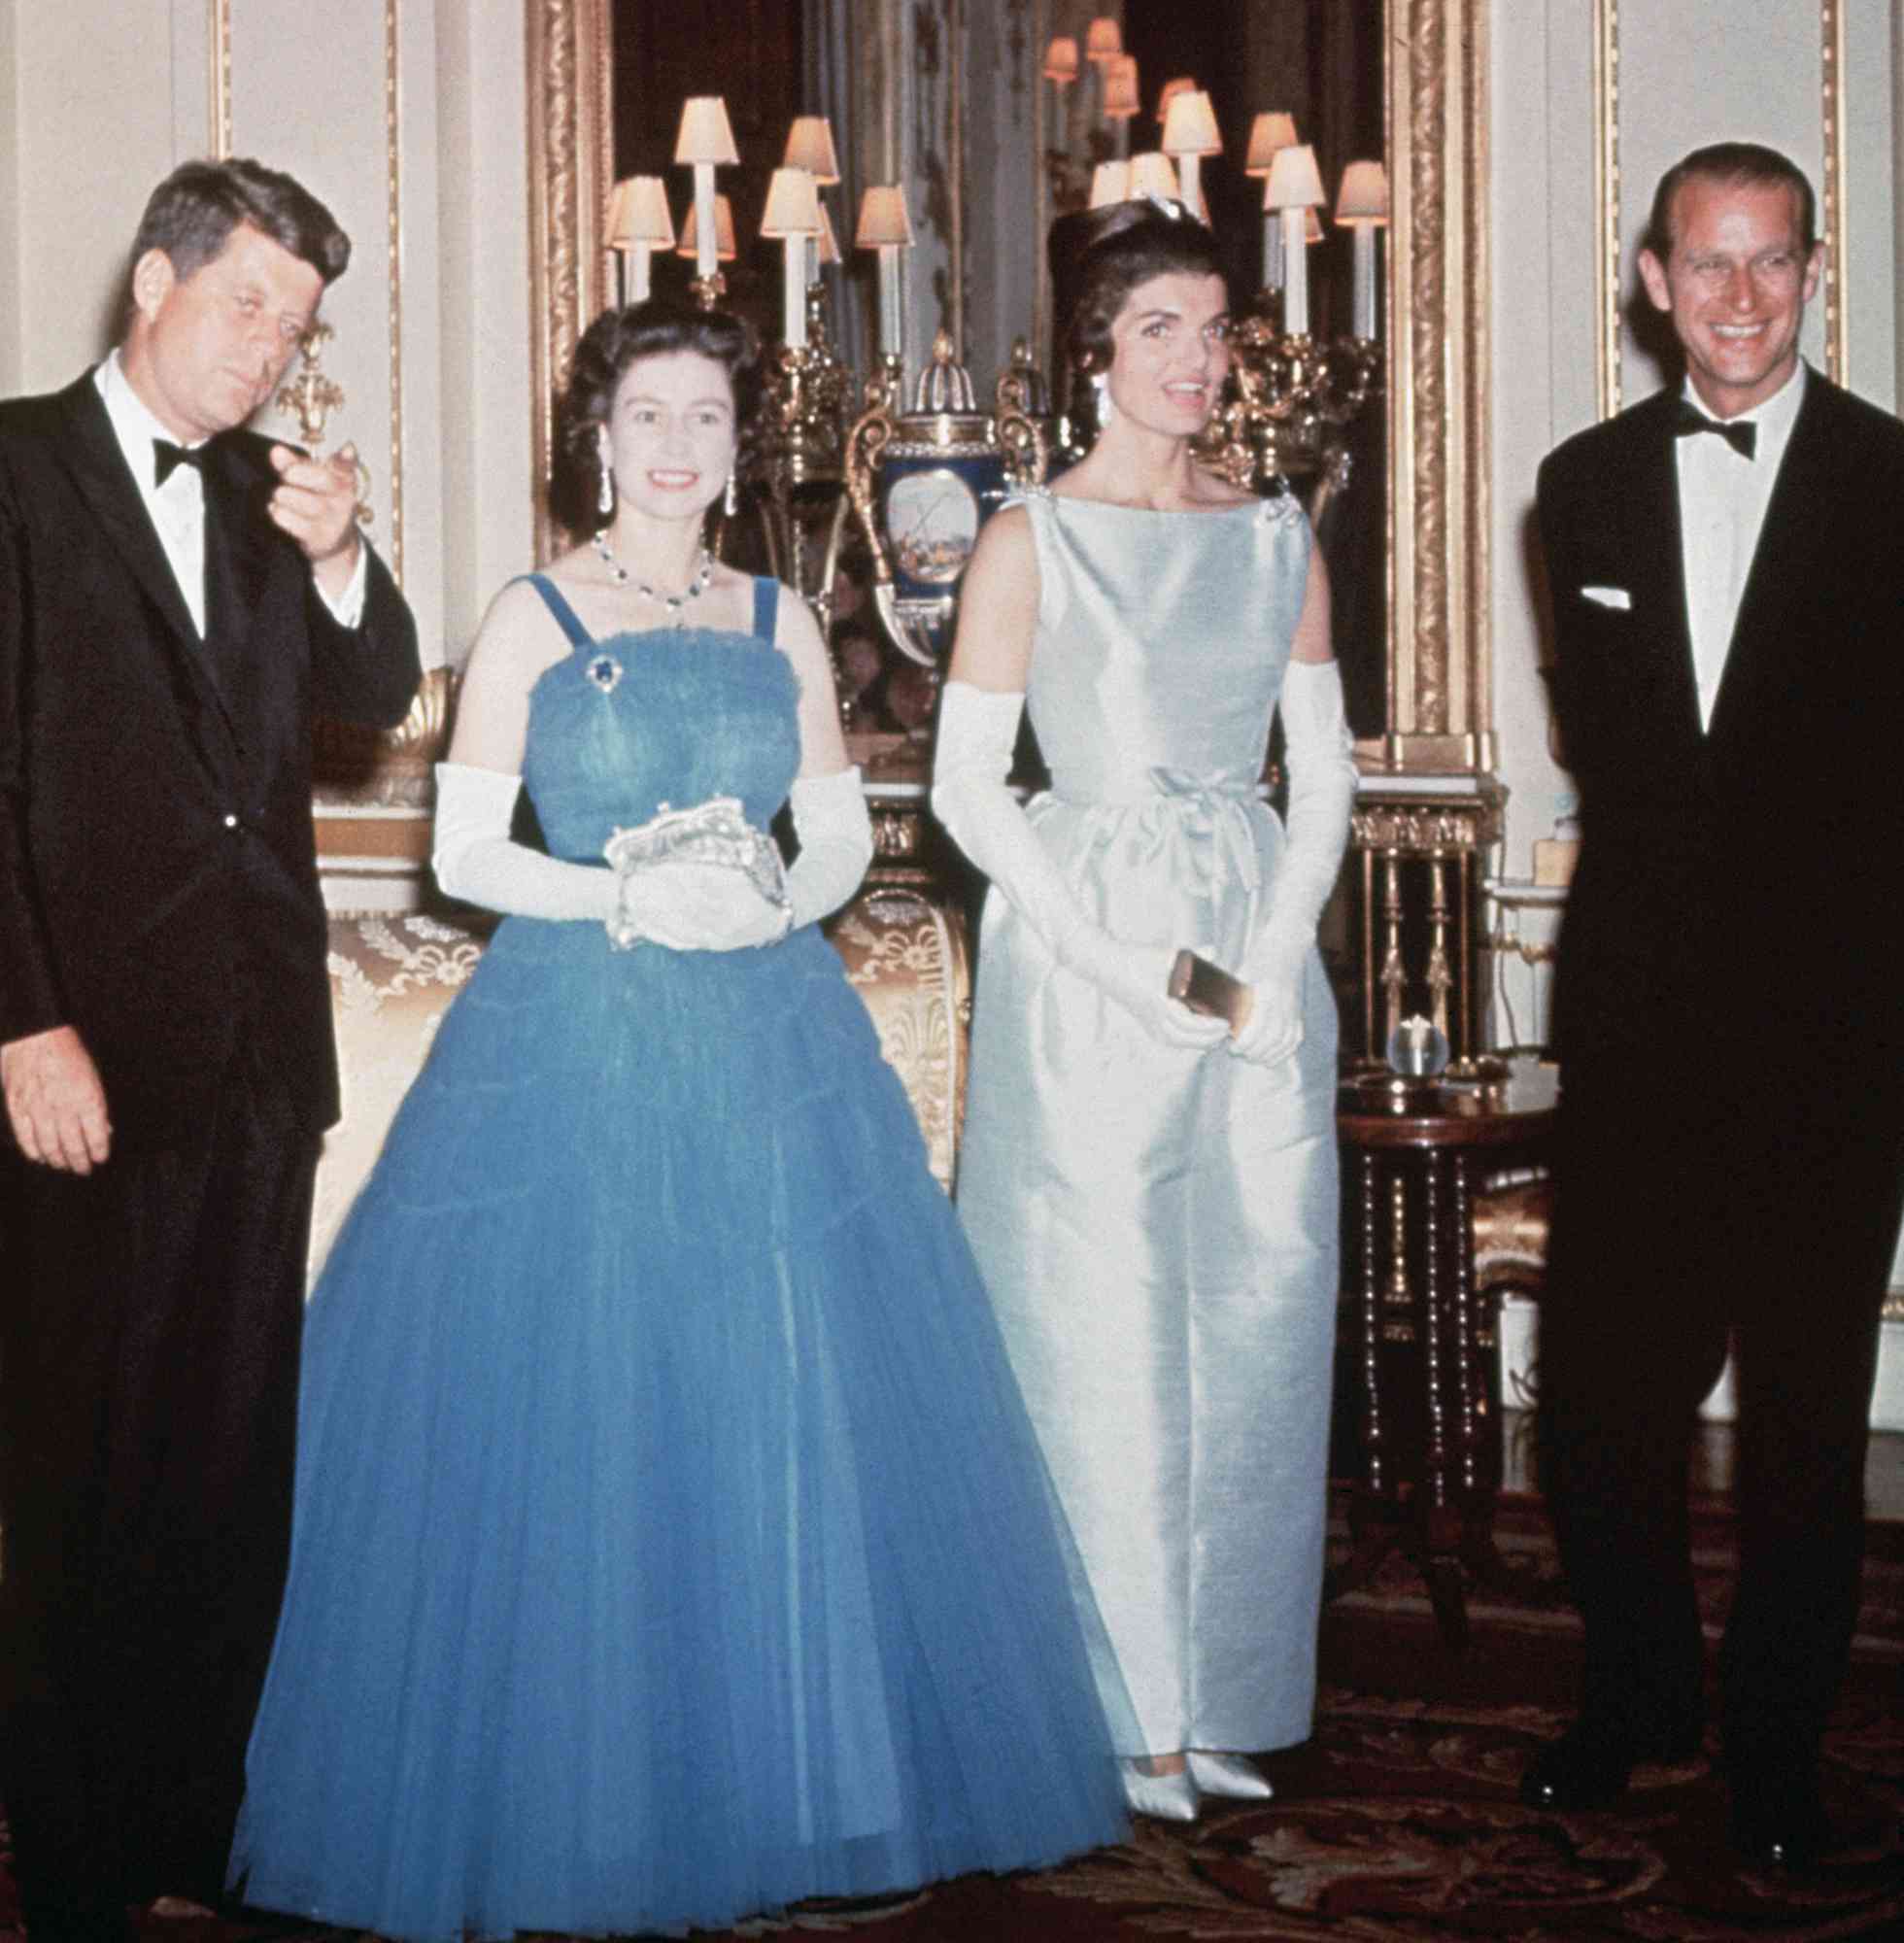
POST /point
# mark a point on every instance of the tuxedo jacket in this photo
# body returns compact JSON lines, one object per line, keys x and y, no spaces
{"x":158,"y":885}
{"x":1738,"y":886}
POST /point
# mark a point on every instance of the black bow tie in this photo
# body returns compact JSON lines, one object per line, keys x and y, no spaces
{"x":171,"y":457}
{"x":1741,"y":434}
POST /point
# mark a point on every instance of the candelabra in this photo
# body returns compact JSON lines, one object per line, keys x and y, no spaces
{"x":1291,"y":404}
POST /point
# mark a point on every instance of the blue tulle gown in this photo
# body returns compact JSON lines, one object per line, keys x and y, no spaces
{"x":670,"y":1540}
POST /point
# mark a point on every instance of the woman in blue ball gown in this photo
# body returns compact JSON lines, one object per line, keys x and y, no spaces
{"x":670,"y":1542}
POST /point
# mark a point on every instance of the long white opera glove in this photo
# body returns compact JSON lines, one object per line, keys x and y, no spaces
{"x":972,"y":759}
{"x":835,"y":842}
{"x":1322,"y":780}
{"x":476,"y":860}
{"x":682,"y":905}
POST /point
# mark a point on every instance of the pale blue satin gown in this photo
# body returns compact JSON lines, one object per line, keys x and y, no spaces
{"x":1158,"y":1227}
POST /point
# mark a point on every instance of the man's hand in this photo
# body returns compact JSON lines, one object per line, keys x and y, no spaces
{"x":316,"y":503}
{"x":54,"y":1101}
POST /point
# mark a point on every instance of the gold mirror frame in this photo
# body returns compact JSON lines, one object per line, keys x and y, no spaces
{"x":1439,"y":686}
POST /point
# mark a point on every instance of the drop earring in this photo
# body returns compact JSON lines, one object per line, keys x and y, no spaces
{"x":605,"y":499}
{"x":731,"y":499}
{"x":1101,"y":392}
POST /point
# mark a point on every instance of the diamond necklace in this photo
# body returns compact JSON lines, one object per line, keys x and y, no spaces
{"x":674,"y":602}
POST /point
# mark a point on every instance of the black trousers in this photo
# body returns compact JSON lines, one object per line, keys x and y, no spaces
{"x":1687,"y":1215}
{"x":149,"y":1319}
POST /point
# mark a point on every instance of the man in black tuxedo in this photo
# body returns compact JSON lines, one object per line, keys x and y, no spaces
{"x":1728,"y":595}
{"x":178,"y":596}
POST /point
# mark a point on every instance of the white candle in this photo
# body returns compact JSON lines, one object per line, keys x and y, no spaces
{"x":1295,"y":263}
{"x":793,"y":291}
{"x":1189,"y":175}
{"x":889,"y":300}
{"x":1365,"y":279}
{"x":637,"y":272}
{"x":1273,"y":250}
{"x":705,"y":238}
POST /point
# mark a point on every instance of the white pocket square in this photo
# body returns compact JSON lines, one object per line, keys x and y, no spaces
{"x":1607,"y":596}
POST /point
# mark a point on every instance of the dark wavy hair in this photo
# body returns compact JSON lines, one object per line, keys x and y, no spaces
{"x":614,"y":341}
{"x":191,"y":214}
{"x":1731,"y":165}
{"x":1100,"y":255}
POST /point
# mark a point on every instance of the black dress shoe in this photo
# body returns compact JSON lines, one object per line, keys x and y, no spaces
{"x":1779,"y":1826}
{"x":1590,"y":1767}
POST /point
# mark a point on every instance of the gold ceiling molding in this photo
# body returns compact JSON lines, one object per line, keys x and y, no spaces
{"x":1606,"y":199}
{"x":394,"y":224}
{"x":1832,"y":109}
{"x":1440,"y":689}
{"x":218,"y":43}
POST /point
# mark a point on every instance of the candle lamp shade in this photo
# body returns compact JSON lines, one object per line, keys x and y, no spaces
{"x":1061,"y":62}
{"x":705,"y":134}
{"x":810,"y":147}
{"x":638,"y":213}
{"x":1152,"y":174}
{"x":1110,"y":182}
{"x":723,"y":248}
{"x":1104,"y":39}
{"x":793,"y":205}
{"x":883,"y":221}
{"x":1190,"y":127}
{"x":1269,"y":134}
{"x":1182,"y":85}
{"x":1294,"y":181}
{"x":1121,"y":101}
{"x":1364,"y":196}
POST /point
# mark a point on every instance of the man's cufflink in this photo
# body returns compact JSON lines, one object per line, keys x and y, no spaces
{"x":1608,"y":596}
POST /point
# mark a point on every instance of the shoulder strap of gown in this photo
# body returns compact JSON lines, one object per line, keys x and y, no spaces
{"x":767,"y":606}
{"x":565,"y":618}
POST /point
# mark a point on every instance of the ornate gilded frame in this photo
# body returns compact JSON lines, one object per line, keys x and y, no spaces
{"x":1440,"y":687}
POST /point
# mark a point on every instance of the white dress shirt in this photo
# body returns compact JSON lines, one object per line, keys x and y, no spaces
{"x":178,"y":507}
{"x":1722,"y":502}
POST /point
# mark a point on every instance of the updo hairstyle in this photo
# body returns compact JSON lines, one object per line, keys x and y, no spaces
{"x":611,"y":344}
{"x":1100,"y":255}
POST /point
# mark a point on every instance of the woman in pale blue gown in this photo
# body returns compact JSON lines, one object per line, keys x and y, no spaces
{"x":1153,"y":1200}
{"x":670,"y":1542}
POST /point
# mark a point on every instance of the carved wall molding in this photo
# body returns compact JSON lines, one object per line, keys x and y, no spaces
{"x":393,"y":243}
{"x":1606,"y":199}
{"x":1833,"y":114}
{"x":1440,"y":679}
{"x":217,"y":41}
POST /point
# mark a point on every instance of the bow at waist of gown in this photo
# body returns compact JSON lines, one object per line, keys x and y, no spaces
{"x":1209,"y":812}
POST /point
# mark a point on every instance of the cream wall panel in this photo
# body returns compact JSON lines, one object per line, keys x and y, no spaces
{"x":1871,"y":198}
{"x":1689,"y":74}
{"x":11,"y":124}
{"x":93,"y":83}
{"x":308,"y":94}
{"x":481,"y":449}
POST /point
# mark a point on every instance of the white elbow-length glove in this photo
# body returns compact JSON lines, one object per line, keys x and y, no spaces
{"x":1322,"y":777}
{"x":684,"y":906}
{"x":836,"y":843}
{"x":976,"y":730}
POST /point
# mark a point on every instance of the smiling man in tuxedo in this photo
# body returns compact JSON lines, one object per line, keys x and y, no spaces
{"x":178,"y":596}
{"x":1728,"y":595}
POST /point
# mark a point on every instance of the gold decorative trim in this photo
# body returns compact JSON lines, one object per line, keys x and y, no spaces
{"x":1833,"y":111}
{"x":1605,"y":200}
{"x":571,"y":164}
{"x":394,"y":217}
{"x":217,"y":38}
{"x":1439,"y":695}
{"x":1440,"y":700}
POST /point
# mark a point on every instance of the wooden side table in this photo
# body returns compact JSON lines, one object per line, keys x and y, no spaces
{"x":1427,"y":1429}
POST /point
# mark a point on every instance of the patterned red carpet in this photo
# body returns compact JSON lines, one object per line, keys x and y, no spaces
{"x":1399,"y":1822}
